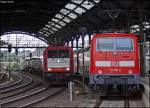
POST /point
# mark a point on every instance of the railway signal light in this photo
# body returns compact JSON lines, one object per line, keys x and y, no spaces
{"x":16,"y":51}
{"x":9,"y":48}
{"x":30,"y":54}
{"x":2,"y":55}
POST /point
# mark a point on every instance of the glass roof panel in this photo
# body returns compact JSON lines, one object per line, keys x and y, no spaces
{"x":51,"y":23}
{"x":58,"y":26}
{"x":137,"y":29}
{"x":72,"y":15}
{"x":77,"y":1}
{"x":147,"y":26}
{"x":67,"y":19}
{"x":64,"y":11}
{"x":48,"y":32}
{"x":40,"y":32}
{"x":79,"y":10}
{"x":96,"y":1}
{"x":54,"y":29}
{"x":46,"y":35}
{"x":135,"y":26}
{"x":45,"y":28}
{"x":87,"y":4}
{"x":62,"y":23}
{"x":60,"y":16}
{"x":48,"y":26}
{"x":70,"y":6}
{"x":55,"y":20}
{"x":145,"y":23}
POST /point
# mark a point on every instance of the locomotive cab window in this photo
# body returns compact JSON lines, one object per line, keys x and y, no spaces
{"x":124,"y":44}
{"x":105,"y":44}
{"x":58,"y":54}
{"x":111,"y":44}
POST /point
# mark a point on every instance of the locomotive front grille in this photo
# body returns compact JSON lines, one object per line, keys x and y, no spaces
{"x":115,"y":63}
{"x":58,"y":63}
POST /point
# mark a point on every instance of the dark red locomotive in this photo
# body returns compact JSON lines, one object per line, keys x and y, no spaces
{"x":58,"y":62}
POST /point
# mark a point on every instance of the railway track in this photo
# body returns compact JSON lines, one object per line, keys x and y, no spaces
{"x":15,"y":79}
{"x":3,"y":77}
{"x":50,"y":93}
{"x":123,"y":102}
{"x":31,"y":97}
{"x":27,"y":91}
{"x":24,"y":82}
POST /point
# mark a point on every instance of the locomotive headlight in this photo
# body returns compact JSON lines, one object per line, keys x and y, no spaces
{"x":130,"y":71}
{"x":67,"y":69}
{"x":100,"y":71}
{"x":58,"y":60}
{"x":49,"y":69}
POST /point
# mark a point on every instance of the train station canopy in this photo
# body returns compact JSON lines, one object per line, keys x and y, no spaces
{"x":59,"y":21}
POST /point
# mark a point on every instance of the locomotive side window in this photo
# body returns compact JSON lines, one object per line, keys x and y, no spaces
{"x":124,"y":44}
{"x":58,"y":54}
{"x":105,"y":44}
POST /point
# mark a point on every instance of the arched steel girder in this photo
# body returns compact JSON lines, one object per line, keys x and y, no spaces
{"x":30,"y":34}
{"x":25,"y":28}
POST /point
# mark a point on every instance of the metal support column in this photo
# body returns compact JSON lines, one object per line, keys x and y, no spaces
{"x":142,"y":62}
{"x":67,"y":43}
{"x":0,"y":53}
{"x":89,"y":38}
{"x":72,"y":43}
{"x":83,"y":71}
{"x":83,"y":31}
{"x":77,"y":41}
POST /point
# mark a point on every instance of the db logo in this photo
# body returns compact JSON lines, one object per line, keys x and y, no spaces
{"x":114,"y":63}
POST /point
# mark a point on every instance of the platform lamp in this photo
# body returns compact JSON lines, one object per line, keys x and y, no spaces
{"x":9,"y":51}
{"x":83,"y":31}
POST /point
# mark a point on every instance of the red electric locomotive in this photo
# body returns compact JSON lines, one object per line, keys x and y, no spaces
{"x":58,"y":62}
{"x":114,"y":61}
